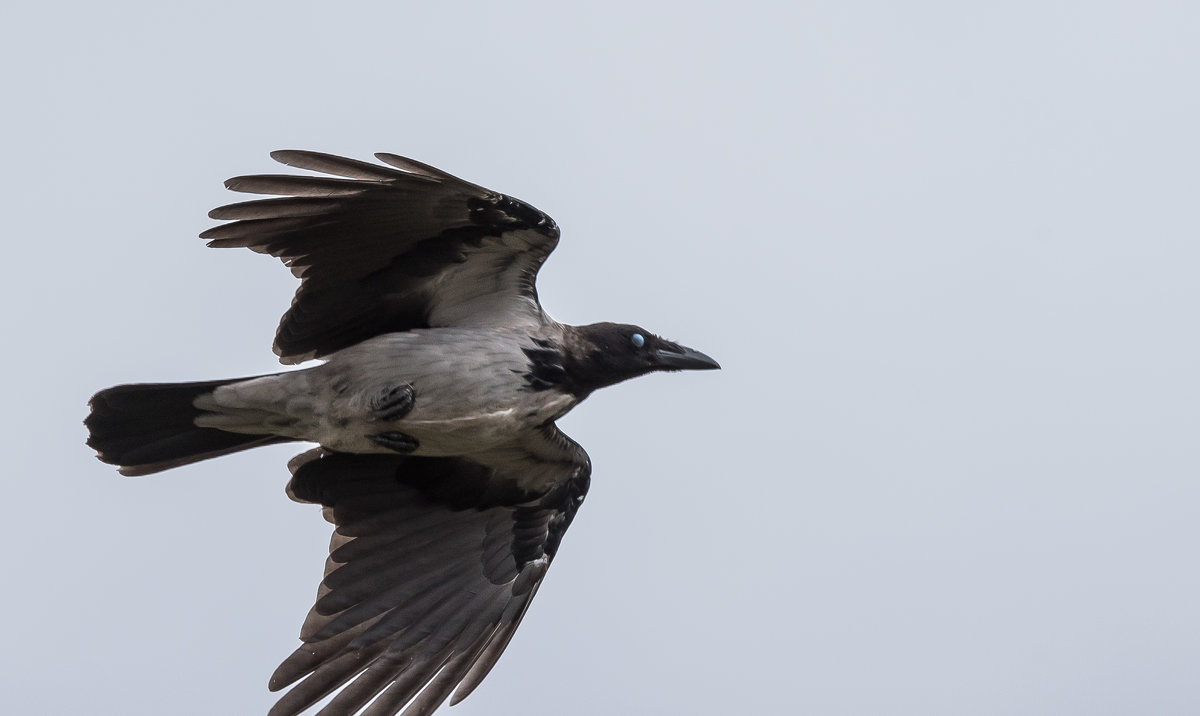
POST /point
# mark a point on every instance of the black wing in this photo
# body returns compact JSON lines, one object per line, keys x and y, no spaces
{"x":432,"y":565}
{"x":387,"y":249}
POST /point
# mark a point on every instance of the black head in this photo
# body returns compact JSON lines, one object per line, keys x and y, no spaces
{"x":606,"y":353}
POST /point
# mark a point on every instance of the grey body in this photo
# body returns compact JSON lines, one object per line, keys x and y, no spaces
{"x":438,"y":459}
{"x":470,"y":397}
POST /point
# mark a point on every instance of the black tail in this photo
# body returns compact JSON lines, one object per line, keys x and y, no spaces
{"x":148,"y":427}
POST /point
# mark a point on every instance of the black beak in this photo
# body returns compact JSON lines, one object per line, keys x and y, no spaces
{"x":683,"y":359}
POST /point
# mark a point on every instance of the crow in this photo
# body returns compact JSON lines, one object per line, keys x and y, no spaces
{"x":438,"y":460}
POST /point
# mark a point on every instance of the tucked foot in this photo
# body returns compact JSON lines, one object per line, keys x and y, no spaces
{"x":392,"y":402}
{"x":395,"y":440}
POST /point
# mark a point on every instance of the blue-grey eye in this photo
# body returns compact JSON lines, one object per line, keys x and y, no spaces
{"x":638,"y":340}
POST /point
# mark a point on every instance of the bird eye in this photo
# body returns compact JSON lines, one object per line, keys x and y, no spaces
{"x":638,"y":340}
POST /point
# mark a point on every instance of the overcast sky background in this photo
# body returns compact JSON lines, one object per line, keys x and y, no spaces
{"x":947,"y":254}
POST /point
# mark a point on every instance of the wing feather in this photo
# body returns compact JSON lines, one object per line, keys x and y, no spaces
{"x":381,"y":249}
{"x":432,"y":566}
{"x":332,"y":164}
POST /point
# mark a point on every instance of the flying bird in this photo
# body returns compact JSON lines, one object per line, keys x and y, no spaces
{"x":438,"y":461}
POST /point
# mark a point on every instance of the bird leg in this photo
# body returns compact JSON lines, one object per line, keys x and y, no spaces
{"x":392,"y":402}
{"x":395,"y":440}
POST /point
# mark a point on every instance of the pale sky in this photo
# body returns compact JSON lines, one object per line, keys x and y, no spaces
{"x":947,"y":254}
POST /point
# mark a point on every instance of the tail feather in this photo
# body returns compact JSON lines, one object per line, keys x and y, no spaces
{"x":149,"y":427}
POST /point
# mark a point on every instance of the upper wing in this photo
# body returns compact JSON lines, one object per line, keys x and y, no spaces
{"x":432,"y":564}
{"x":387,"y":249}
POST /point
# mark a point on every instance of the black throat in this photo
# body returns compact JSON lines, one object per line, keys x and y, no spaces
{"x":547,"y":367}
